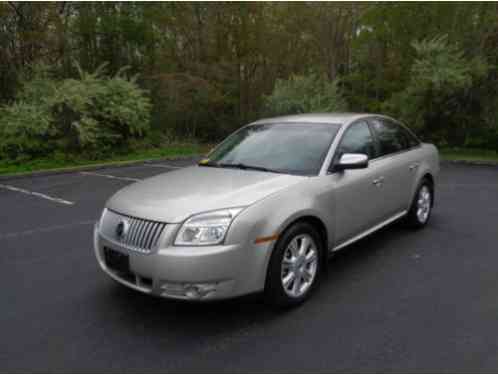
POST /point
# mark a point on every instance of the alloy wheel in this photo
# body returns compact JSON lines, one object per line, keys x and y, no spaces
{"x":299,"y":265}
{"x":424,"y":202}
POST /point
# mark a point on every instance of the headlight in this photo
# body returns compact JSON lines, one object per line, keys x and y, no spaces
{"x":207,"y":228}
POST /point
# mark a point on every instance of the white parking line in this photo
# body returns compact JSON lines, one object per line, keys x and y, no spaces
{"x":39,"y":195}
{"x":44,"y":229}
{"x":110,"y":176}
{"x":165,"y":166}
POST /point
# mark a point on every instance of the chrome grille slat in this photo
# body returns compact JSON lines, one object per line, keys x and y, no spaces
{"x":161,"y":228}
{"x":145,"y":232}
{"x":133,"y":230}
{"x":137,"y":233}
{"x":143,"y":228}
{"x":147,"y":236}
{"x":151,"y":231}
{"x":142,"y":236}
{"x":129,"y":236}
{"x":156,"y":235}
{"x":155,"y":226}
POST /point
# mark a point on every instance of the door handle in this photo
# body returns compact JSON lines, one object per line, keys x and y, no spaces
{"x":414,"y":166}
{"x":378,"y":181}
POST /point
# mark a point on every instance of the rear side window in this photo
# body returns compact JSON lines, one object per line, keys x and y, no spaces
{"x":392,"y":137}
{"x":357,"y":140}
{"x":412,"y":140}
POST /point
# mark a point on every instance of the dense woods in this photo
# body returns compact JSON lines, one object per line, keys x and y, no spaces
{"x":79,"y":77}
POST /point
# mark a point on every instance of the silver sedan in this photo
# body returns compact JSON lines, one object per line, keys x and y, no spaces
{"x":267,"y":207}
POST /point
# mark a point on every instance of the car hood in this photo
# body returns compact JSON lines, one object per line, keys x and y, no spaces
{"x":174,"y":196}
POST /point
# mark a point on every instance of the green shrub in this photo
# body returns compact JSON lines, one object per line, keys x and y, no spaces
{"x":26,"y":130}
{"x":302,"y":94}
{"x":92,"y":114}
{"x":438,"y":100}
{"x":100,"y":114}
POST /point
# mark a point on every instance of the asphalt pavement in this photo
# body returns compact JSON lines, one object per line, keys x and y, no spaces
{"x":397,"y":301}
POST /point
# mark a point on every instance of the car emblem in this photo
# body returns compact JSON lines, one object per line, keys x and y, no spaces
{"x":122,"y":229}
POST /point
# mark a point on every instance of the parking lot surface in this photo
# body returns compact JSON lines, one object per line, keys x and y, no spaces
{"x":397,"y":301}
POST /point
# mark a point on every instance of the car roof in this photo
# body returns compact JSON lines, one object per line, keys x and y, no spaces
{"x":332,"y":118}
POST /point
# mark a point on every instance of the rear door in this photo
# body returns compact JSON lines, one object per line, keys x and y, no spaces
{"x":396,"y":164}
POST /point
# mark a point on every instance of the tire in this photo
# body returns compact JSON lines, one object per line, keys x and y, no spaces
{"x":298,"y":252}
{"x":421,"y":208}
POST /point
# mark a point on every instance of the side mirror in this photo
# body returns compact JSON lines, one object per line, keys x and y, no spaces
{"x":351,"y":161}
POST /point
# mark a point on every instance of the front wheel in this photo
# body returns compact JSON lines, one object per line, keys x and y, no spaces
{"x":294,"y":266}
{"x":421,"y":208}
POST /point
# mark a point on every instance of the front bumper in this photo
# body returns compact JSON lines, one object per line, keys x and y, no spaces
{"x":193,"y":273}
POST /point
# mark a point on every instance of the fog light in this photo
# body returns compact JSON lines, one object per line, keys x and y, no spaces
{"x":205,"y":289}
{"x":188,"y":290}
{"x":192,"y":292}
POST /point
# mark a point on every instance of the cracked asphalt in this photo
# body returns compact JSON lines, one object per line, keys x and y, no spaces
{"x":397,"y":301}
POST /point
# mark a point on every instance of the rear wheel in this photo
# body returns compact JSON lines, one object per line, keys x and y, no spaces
{"x":294,"y":266}
{"x":421,"y":208}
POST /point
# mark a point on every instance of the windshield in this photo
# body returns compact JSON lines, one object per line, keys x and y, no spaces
{"x":293,"y":148}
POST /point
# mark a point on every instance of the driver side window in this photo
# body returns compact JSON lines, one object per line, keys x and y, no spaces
{"x":357,"y":140}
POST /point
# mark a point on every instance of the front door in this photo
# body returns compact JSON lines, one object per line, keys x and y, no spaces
{"x":357,"y":196}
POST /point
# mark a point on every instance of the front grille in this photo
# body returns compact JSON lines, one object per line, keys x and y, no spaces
{"x":141,"y":235}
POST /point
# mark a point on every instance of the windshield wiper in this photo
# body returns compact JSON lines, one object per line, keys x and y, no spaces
{"x":238,"y":166}
{"x":250,"y":167}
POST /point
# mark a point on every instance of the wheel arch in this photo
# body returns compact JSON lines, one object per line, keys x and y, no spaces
{"x":317,"y":223}
{"x":428,"y":176}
